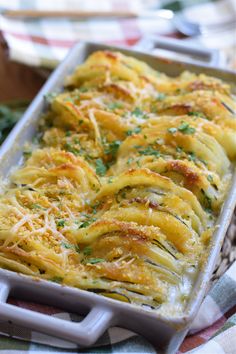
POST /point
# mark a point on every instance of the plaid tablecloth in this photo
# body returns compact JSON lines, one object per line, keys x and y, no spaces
{"x":213,"y":331}
{"x":45,"y":43}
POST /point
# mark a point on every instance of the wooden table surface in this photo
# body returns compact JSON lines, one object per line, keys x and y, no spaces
{"x":17,"y":81}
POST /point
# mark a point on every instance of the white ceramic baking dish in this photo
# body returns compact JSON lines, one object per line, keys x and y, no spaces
{"x":165,"y":332}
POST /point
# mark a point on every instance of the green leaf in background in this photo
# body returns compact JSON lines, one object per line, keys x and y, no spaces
{"x":10,"y":113}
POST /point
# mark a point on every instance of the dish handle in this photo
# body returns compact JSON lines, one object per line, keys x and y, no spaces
{"x":84,"y":333}
{"x":195,"y":53}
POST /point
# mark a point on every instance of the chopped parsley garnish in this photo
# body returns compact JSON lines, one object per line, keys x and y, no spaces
{"x":86,"y":223}
{"x":183,"y":128}
{"x":123,"y":194}
{"x":101,"y":169}
{"x":68,"y":246}
{"x":68,"y":133}
{"x":195,"y":114}
{"x":94,"y":207}
{"x":95,"y":260}
{"x":208,"y":201}
{"x":137,"y":112}
{"x":83,"y":89}
{"x":186,"y":129}
{"x":161,"y":96}
{"x":76,"y":141}
{"x":134,"y":131}
{"x":149,"y":151}
{"x":37,"y":206}
{"x":138,"y":162}
{"x":114,"y":105}
{"x":110,"y":179}
{"x":112,"y":148}
{"x":130,"y":159}
{"x":179,"y":149}
{"x":49,"y":97}
{"x":61,"y":223}
{"x":87,"y":251}
{"x":172,"y":130}
{"x":210,"y":178}
{"x":27,"y":153}
{"x":192,"y":156}
{"x":57,"y":279}
{"x":68,"y":147}
{"x":68,"y":99}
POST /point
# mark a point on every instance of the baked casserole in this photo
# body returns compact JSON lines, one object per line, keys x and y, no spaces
{"x":120,"y":190}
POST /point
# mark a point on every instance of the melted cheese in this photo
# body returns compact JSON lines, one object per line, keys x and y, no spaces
{"x":121,"y":194}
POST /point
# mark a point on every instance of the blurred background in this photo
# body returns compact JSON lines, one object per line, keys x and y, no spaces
{"x":37,"y":34}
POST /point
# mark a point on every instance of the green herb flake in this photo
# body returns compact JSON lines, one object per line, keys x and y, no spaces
{"x":115,"y":105}
{"x":161,"y":96}
{"x":87,"y":251}
{"x":94,"y":207}
{"x":83,"y":89}
{"x":110,"y":180}
{"x":210,"y":178}
{"x":61,"y":223}
{"x":56,"y":279}
{"x":49,"y":97}
{"x":195,"y":114}
{"x":129,"y":161}
{"x":149,"y":151}
{"x":172,"y":130}
{"x":112,"y":148}
{"x":203,"y":161}
{"x":192,"y":156}
{"x":69,"y":246}
{"x":86,"y":223}
{"x":208,"y":201}
{"x":69,"y":99}
{"x":186,"y":129}
{"x":27,"y":153}
{"x":95,"y":260}
{"x":70,"y":148}
{"x":76,"y":141}
{"x":137,"y":112}
{"x":101,"y":169}
{"x":134,"y":131}
{"x":68,"y":133}
{"x":37,"y":206}
{"x":123,"y":194}
{"x":179,"y":149}
{"x":138,"y":162}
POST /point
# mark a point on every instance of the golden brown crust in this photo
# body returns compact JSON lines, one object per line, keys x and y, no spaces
{"x":121,"y":191}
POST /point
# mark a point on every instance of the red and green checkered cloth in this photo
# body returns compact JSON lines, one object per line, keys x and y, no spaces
{"x":45,"y":42}
{"x":214,"y":329}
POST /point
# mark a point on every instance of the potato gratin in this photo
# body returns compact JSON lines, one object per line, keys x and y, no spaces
{"x":120,"y":190}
